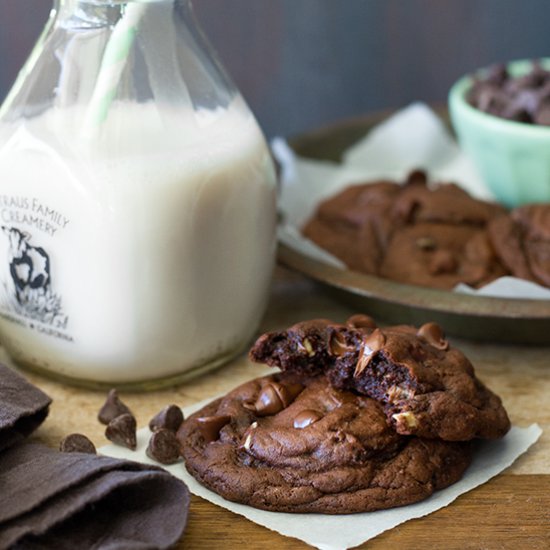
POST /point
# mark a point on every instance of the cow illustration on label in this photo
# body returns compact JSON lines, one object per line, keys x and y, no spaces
{"x":29,"y":268}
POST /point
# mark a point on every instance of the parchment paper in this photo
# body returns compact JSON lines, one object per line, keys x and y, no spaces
{"x":340,"y":532}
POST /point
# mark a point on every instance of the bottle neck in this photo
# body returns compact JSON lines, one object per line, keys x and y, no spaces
{"x":111,"y":3}
{"x":107,"y":9}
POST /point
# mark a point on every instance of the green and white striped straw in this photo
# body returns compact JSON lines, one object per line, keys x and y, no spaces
{"x":113,"y":63}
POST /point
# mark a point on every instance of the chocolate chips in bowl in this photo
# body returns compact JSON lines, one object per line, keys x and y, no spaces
{"x":501,"y":116}
{"x":524,"y":98}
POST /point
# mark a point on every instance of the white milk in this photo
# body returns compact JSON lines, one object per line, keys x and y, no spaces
{"x":141,"y":255}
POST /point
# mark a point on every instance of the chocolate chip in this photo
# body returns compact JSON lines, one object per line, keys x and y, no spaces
{"x":371,"y":345}
{"x":169,"y":418}
{"x":305,"y":418}
{"x":434,"y":335}
{"x":361,"y":321}
{"x":77,"y":443}
{"x":517,"y":99}
{"x":210,"y":426}
{"x":542,"y":115}
{"x":268,"y":402}
{"x":497,"y":74}
{"x":426,"y":243}
{"x":112,"y":408}
{"x":275,"y":397}
{"x":417,"y":177}
{"x":122,"y":431}
{"x":338,"y":344}
{"x":164,"y":447}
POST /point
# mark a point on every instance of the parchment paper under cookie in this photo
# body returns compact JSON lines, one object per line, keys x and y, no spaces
{"x":329,"y":532}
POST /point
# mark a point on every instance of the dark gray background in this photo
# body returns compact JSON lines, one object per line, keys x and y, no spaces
{"x":305,"y":63}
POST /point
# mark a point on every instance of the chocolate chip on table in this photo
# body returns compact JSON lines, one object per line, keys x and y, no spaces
{"x":164,"y":447}
{"x":112,"y":408}
{"x":122,"y":431}
{"x":77,"y":443}
{"x":169,"y":418}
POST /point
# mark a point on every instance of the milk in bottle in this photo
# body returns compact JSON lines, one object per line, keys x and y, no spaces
{"x":140,"y":253}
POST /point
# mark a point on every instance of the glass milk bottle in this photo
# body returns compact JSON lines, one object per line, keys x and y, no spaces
{"x":137,"y":200}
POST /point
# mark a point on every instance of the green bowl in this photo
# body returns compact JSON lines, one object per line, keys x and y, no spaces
{"x":513,"y":158}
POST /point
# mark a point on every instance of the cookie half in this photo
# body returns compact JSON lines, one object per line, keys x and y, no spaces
{"x":427,"y":387}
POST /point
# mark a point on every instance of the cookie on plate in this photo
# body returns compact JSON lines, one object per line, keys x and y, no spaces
{"x":522,"y":240}
{"x":439,"y":255}
{"x":427,"y":387}
{"x":351,"y":225}
{"x":427,"y":235}
{"x":282,"y":445}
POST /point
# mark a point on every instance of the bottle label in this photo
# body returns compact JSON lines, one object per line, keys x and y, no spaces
{"x":30,"y":297}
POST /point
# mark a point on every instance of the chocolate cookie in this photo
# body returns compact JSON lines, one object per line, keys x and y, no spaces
{"x":439,"y":255}
{"x":351,"y":225}
{"x":522,"y":241}
{"x":278,"y":445}
{"x":433,"y":236}
{"x":427,"y":387}
{"x":441,"y":203}
{"x":343,"y":241}
{"x":358,"y":202}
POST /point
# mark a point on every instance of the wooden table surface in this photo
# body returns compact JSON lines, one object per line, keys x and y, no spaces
{"x":511,"y":511}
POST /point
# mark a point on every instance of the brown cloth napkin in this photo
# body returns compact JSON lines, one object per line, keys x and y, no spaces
{"x":68,"y":501}
{"x":23,"y":407}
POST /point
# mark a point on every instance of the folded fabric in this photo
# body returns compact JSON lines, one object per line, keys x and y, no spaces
{"x":74,"y":500}
{"x":50,"y":499}
{"x":23,"y":407}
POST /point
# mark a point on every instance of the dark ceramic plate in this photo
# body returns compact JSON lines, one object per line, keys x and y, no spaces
{"x":511,"y":321}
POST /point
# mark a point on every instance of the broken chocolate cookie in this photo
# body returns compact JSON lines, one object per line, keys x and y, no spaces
{"x":426,"y":387}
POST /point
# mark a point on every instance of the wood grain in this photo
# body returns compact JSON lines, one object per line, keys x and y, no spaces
{"x":509,"y":512}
